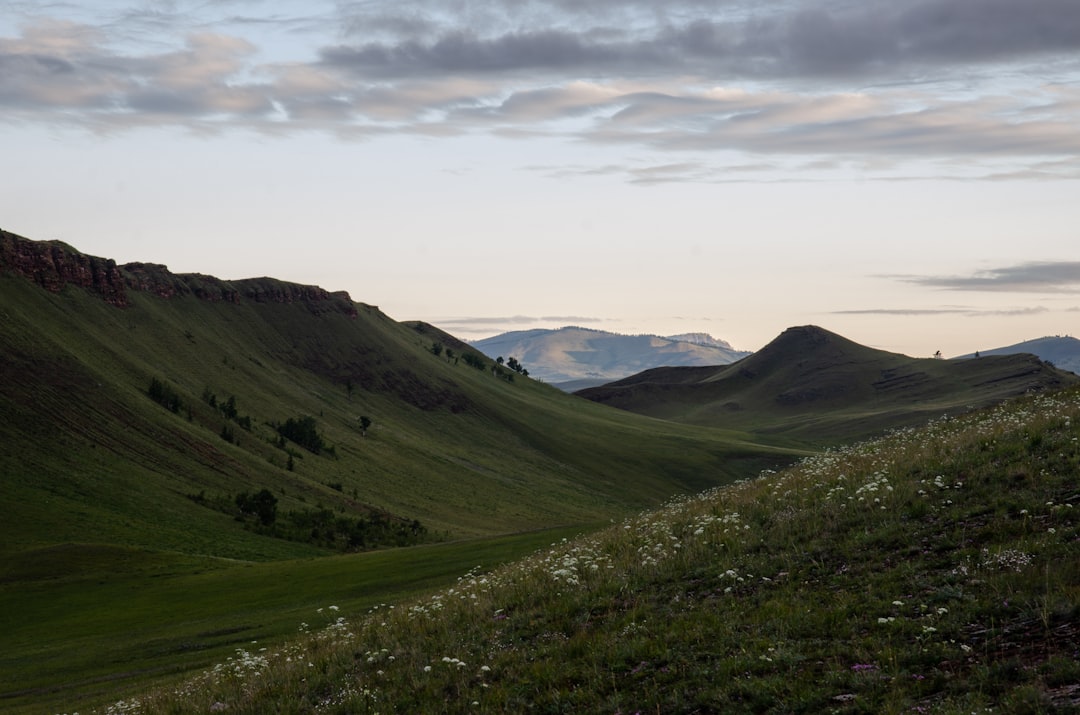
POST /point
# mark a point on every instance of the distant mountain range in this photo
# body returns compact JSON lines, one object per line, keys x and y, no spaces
{"x":1062,"y":352}
{"x":810,"y":383}
{"x":574,"y":358}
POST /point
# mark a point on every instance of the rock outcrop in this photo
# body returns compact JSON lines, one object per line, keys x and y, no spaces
{"x":54,"y":264}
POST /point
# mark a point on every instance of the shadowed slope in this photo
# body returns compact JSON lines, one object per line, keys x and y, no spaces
{"x":464,"y":451}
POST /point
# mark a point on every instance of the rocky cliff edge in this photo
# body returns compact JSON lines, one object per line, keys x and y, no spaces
{"x":54,"y":264}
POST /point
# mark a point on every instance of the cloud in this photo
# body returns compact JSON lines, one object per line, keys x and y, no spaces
{"x":462,"y":52}
{"x":63,"y":66}
{"x":1031,"y":277}
{"x":520,"y":320}
{"x":482,"y":326}
{"x":811,"y":38}
{"x":821,"y":80}
{"x":966,"y":312}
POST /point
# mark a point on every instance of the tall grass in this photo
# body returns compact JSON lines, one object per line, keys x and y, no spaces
{"x":935,"y":570}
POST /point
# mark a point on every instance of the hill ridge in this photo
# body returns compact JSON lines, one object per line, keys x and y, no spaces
{"x":809,"y":381}
{"x":55,"y":264}
{"x":1063,"y":351}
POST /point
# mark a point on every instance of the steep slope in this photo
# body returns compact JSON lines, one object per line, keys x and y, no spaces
{"x":573,"y":354}
{"x":812,"y":385}
{"x":1062,"y":351}
{"x":88,"y":454}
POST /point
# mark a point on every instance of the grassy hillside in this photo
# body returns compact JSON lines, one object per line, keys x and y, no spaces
{"x":88,"y":456}
{"x":184,"y":468}
{"x":933,"y":571}
{"x":140,"y":439}
{"x":812,"y":386}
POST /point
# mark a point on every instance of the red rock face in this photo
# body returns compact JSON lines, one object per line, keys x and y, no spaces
{"x":52,"y":265}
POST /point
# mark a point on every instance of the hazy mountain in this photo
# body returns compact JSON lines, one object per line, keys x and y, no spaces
{"x":810,"y":383}
{"x":581,"y":355}
{"x":1062,"y":351}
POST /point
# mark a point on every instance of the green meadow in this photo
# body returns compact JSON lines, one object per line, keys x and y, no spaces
{"x":932,"y":571}
{"x":130,"y":437}
{"x":85,"y":622}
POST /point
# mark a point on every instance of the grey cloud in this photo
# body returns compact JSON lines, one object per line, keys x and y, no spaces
{"x":33,"y":64}
{"x":655,"y":76}
{"x":966,"y":312}
{"x":460,"y":52}
{"x":194,"y":82}
{"x":520,"y":320}
{"x":904,"y":311}
{"x":485,"y":326}
{"x":1033,"y":277}
{"x":809,"y":38}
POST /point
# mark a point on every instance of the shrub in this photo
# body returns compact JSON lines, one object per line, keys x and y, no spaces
{"x":302,"y":431}
{"x":163,"y":394}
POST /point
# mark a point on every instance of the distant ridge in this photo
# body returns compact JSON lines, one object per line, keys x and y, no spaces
{"x":582,"y":356}
{"x":1062,"y":351}
{"x":808,"y":383}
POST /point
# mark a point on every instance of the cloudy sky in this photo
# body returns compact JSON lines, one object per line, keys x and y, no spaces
{"x":903,"y":172}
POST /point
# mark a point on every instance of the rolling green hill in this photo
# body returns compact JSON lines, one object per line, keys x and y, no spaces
{"x":186,"y":445}
{"x":932,"y":571}
{"x":87,"y":451}
{"x":812,"y":386}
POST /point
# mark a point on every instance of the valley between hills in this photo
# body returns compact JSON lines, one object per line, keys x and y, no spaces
{"x":191,"y":465}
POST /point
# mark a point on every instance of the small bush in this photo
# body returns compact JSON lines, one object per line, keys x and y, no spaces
{"x":163,"y":394}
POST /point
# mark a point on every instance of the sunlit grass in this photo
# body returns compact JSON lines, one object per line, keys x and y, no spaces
{"x":934,"y":570}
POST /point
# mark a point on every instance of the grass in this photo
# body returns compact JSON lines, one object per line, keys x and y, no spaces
{"x":934,"y":570}
{"x":82,"y":622}
{"x":110,"y":573}
{"x":813,"y":387}
{"x":112,"y":576}
{"x":84,"y":450}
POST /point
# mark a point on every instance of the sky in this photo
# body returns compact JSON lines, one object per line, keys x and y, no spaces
{"x":903,"y":172}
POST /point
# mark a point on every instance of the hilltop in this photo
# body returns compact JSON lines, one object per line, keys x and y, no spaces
{"x":1062,"y":351}
{"x":574,"y":357}
{"x":810,"y":384}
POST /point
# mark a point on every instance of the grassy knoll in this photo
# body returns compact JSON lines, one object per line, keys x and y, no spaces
{"x":934,"y":570}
